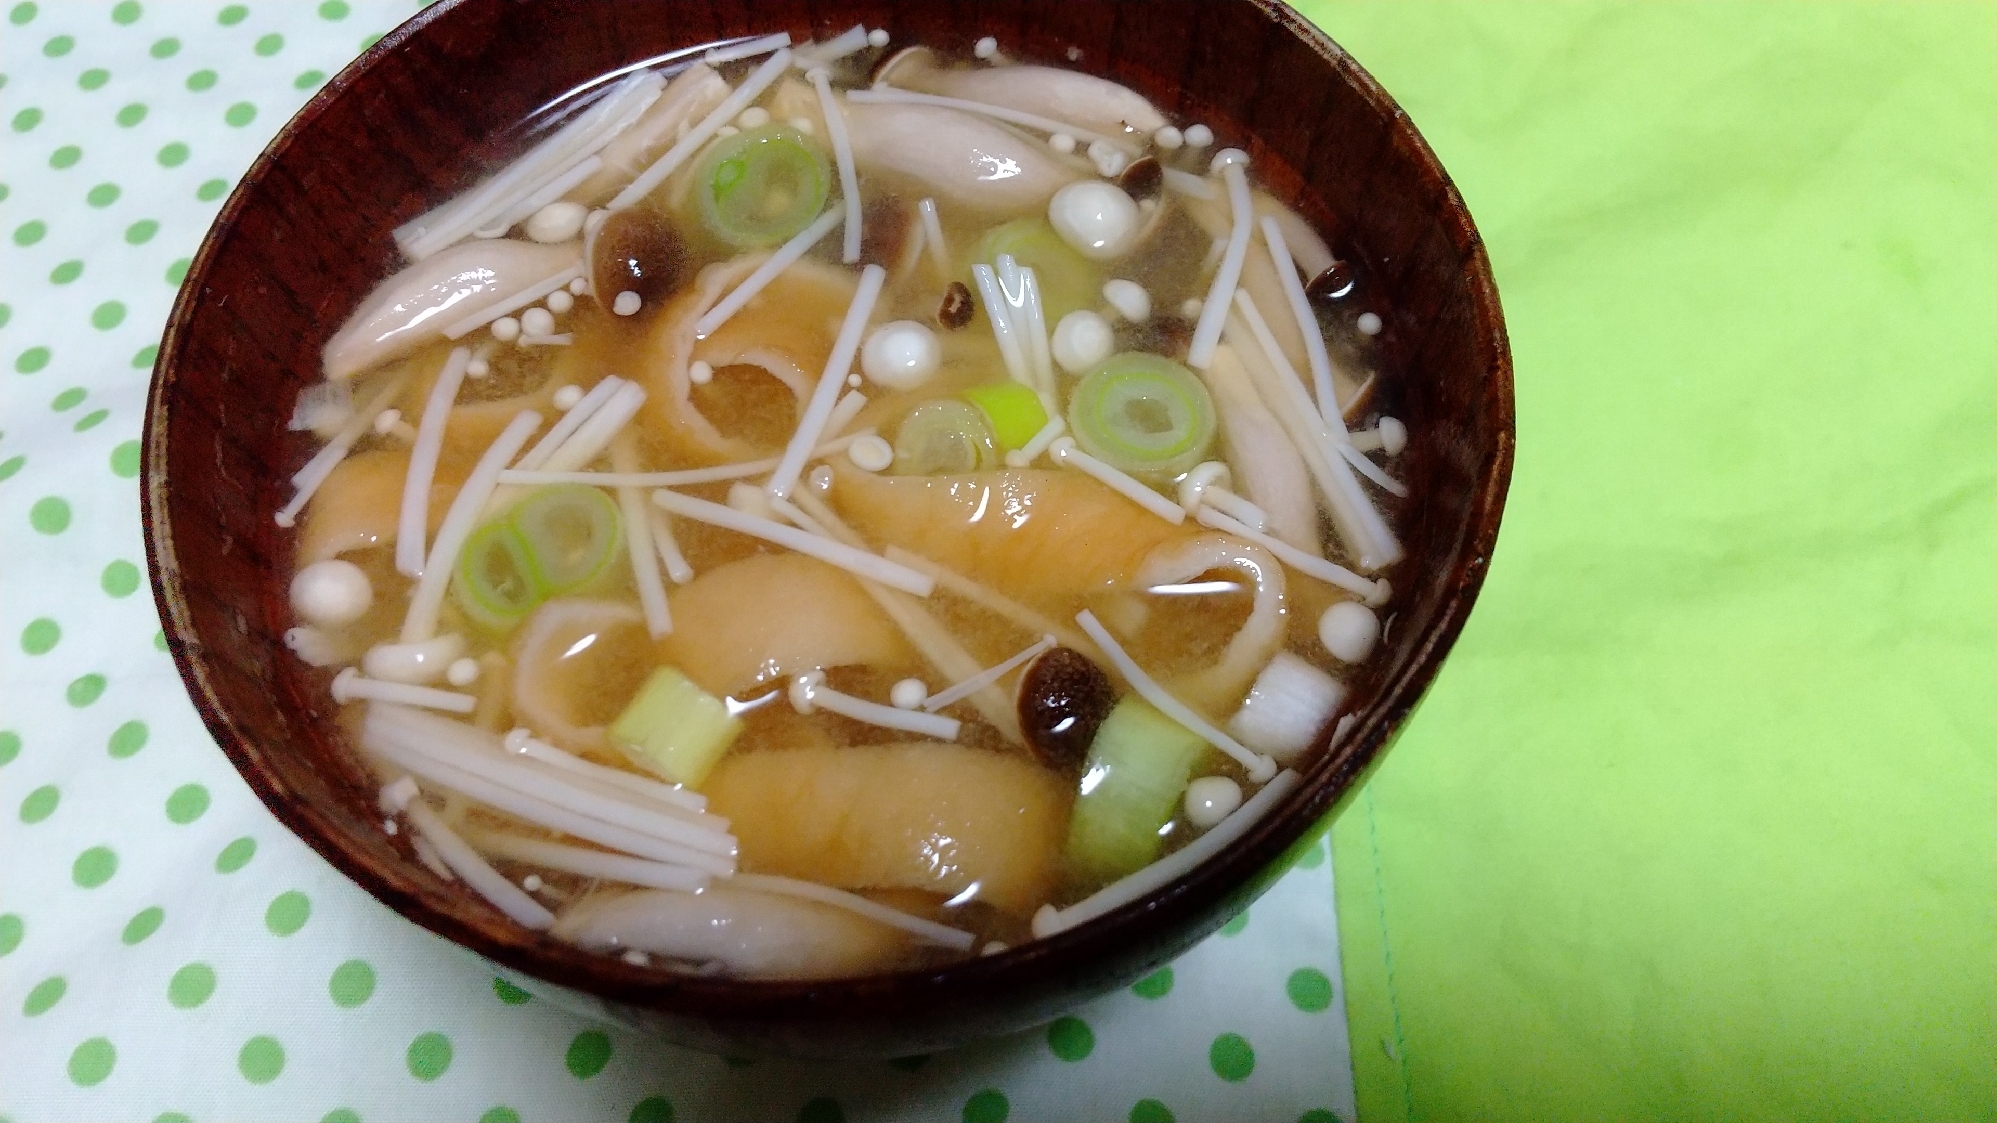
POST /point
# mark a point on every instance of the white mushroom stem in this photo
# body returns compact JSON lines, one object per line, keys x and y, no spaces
{"x":935,"y":933}
{"x":1300,"y":308}
{"x":1260,"y":768}
{"x":1067,"y":454}
{"x":1208,"y":484}
{"x":548,"y":193}
{"x":1050,"y":920}
{"x":1266,"y":465}
{"x":589,"y":863}
{"x":1186,"y":183}
{"x":849,"y":407}
{"x":1038,"y":348}
{"x":986,"y":677}
{"x":640,"y":545}
{"x":932,"y":228}
{"x":349,"y":686}
{"x":317,"y":648}
{"x":471,"y":762}
{"x":428,"y":598}
{"x":414,"y":519}
{"x":839,"y":46}
{"x":748,"y":48}
{"x":685,"y":477}
{"x":583,"y":444}
{"x":937,"y":646}
{"x":1213,"y":313}
{"x":571,"y":421}
{"x":1012,"y":347}
{"x":309,"y":478}
{"x":838,"y":364}
{"x":1039,"y":443}
{"x":1388,"y":435}
{"x":672,"y":796}
{"x":842,"y":153}
{"x":487,"y":882}
{"x":1371,"y":470}
{"x":751,"y":88}
{"x":596,"y":127}
{"x":595,"y":434}
{"x":785,"y":256}
{"x":419,"y":663}
{"x":809,"y":692}
{"x":1310,"y":565}
{"x":848,"y":558}
{"x":887,"y":95}
{"x":1358,"y":521}
{"x":668,"y":546}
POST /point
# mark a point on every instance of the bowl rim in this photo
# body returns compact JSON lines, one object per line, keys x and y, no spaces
{"x":1240,"y":871}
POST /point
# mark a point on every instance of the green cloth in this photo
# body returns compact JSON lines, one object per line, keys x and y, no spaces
{"x":1698,"y":822}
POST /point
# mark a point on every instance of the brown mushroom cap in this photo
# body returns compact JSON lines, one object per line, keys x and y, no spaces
{"x":1063,"y":698}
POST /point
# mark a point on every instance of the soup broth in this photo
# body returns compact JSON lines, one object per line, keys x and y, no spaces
{"x":835,"y":508}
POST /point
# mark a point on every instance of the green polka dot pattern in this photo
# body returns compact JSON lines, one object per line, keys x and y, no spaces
{"x":168,"y":951}
{"x":352,"y":983}
{"x":587,"y":1054}
{"x":429,"y":1055}
{"x":261,"y":1059}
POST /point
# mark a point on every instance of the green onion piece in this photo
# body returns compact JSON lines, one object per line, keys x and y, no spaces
{"x":1137,"y":770}
{"x":1069,"y":282}
{"x":1014,"y":411}
{"x":674,"y":728}
{"x":1144,"y":414}
{"x":942,"y":438}
{"x":572,"y":533}
{"x":495,"y":583}
{"x":761,"y":186}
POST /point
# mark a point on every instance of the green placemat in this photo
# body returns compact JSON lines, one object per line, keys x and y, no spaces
{"x":167,"y":951}
{"x":1698,"y":822}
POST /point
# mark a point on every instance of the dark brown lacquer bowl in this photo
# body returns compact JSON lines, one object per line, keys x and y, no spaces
{"x":306,"y":235}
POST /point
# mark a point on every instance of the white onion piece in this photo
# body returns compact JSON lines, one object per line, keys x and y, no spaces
{"x":1289,"y":703}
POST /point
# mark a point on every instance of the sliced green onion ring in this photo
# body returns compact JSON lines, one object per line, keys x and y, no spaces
{"x":494,"y":583}
{"x":761,"y":186}
{"x":944,"y":437}
{"x":1143,"y":414}
{"x":571,"y":533}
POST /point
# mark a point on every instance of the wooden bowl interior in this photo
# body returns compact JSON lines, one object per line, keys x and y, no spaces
{"x":305,"y":236}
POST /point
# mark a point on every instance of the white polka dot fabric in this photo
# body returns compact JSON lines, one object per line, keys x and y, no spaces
{"x":167,"y":951}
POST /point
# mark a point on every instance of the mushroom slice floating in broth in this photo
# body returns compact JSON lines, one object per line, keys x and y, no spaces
{"x":421,"y":302}
{"x":963,"y":160}
{"x":1082,"y":100}
{"x":748,"y":934}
